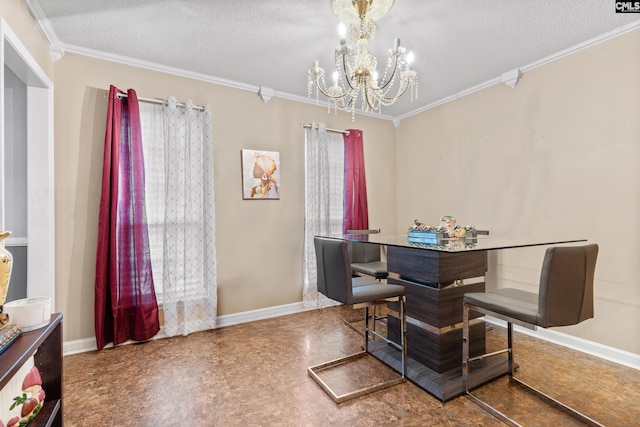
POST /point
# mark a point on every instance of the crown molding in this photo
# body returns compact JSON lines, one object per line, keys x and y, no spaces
{"x":120,"y":59}
{"x":554,"y":57}
{"x":582,"y":46}
{"x":511,"y":78}
{"x":56,"y":50}
{"x":125,"y":60}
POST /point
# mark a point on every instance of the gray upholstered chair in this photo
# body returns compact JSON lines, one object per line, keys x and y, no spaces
{"x":335,"y":282}
{"x":365,"y":257}
{"x":565,"y":297}
{"x":365,"y":260}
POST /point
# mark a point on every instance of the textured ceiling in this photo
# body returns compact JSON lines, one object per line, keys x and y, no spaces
{"x":458,"y":44}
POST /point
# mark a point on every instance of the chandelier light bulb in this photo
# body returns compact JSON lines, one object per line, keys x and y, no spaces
{"x":410,"y":58}
{"x":342,"y":30}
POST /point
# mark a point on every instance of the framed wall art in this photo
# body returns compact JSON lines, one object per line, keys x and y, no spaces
{"x":260,"y":175}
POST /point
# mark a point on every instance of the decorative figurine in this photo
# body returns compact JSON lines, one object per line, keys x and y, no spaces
{"x":448,"y":223}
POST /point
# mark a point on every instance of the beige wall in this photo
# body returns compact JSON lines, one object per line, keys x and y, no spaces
{"x":259,"y":243}
{"x":556,"y":155}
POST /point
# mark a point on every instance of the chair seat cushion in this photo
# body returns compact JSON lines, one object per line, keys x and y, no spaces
{"x":514,"y":303}
{"x":375,"y":269}
{"x":363,"y":281}
{"x":376,"y":291}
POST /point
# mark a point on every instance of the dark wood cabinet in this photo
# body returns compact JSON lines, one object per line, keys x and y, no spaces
{"x":46,"y":344}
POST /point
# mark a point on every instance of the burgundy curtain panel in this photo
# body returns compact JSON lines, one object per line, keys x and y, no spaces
{"x":356,"y":212}
{"x":125,"y":300}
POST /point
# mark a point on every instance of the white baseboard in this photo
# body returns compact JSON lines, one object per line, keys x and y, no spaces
{"x":260,"y":314}
{"x":89,"y":344}
{"x":79,"y":346}
{"x":621,"y":357}
{"x":611,"y":354}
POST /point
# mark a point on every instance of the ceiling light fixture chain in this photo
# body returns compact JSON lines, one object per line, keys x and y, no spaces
{"x":356,"y":77}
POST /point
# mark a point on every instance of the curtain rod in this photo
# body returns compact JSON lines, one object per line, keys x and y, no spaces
{"x":159,"y":101}
{"x":345,"y":132}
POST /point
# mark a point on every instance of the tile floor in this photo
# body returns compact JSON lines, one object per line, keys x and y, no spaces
{"x":254,"y":374}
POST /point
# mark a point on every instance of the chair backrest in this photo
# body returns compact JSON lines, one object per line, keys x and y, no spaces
{"x":566,"y":285}
{"x":363,"y":252}
{"x":334,"y":271}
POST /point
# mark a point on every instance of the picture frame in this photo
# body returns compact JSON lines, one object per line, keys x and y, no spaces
{"x":260,"y":174}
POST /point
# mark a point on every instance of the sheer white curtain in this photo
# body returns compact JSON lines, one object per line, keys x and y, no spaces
{"x":323,"y":202}
{"x":179,"y":169}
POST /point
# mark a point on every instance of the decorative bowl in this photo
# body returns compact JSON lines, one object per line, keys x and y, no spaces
{"x":29,"y":313}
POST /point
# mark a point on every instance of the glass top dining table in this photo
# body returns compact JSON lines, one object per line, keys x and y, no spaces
{"x":480,"y":243}
{"x":428,"y":270}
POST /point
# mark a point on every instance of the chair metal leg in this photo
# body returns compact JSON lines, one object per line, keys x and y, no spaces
{"x":493,"y":411}
{"x":366,"y":328}
{"x":559,"y":405}
{"x":510,"y":349}
{"x":314,"y":371}
{"x":465,"y":347}
{"x":403,"y":334}
{"x":351,"y":321}
{"x":490,"y":409}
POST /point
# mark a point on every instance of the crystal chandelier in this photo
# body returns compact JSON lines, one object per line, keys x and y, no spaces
{"x":356,"y":78}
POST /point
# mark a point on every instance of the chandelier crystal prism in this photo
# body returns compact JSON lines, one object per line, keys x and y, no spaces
{"x":356,"y":79}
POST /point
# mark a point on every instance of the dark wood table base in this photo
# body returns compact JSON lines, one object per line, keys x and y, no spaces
{"x":446,"y":385}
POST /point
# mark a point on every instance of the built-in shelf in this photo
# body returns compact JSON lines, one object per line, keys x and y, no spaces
{"x":45,"y":344}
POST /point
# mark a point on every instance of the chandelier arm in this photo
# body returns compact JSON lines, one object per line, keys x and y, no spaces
{"x":395,"y":69}
{"x":342,"y":102}
{"x":326,"y":93}
{"x":399,"y":94}
{"x":366,"y":97}
{"x":322,"y":91}
{"x":346,"y":74}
